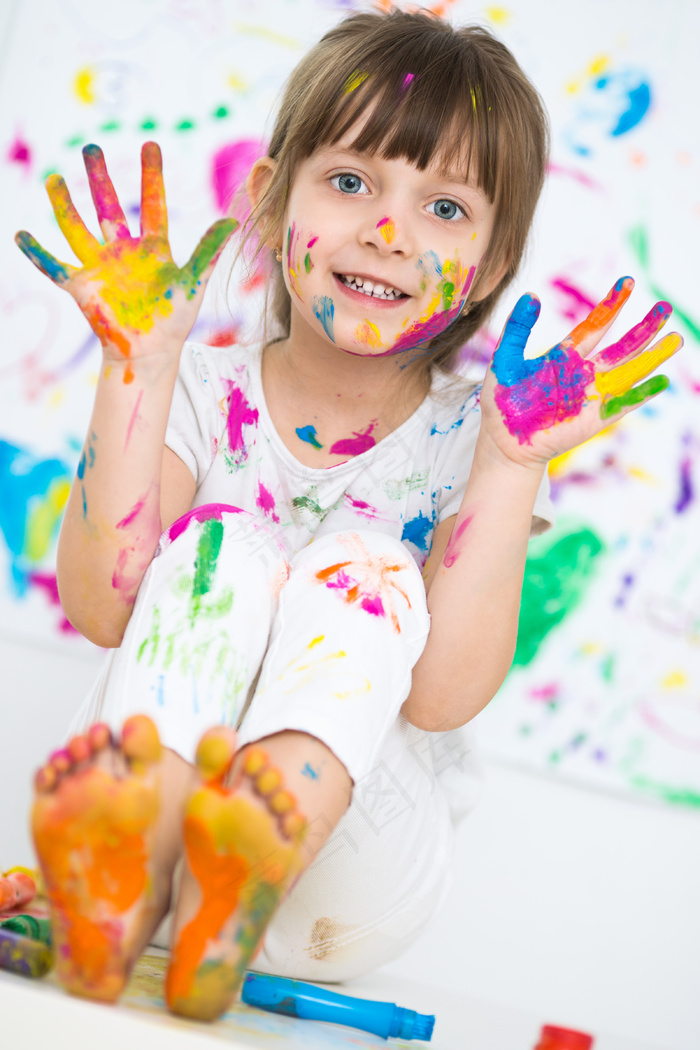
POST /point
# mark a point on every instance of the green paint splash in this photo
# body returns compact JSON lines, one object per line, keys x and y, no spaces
{"x":638,"y":240}
{"x":208,"y":548}
{"x":555,"y":582}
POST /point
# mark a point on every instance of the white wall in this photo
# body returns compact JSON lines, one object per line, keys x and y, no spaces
{"x":574,"y":905}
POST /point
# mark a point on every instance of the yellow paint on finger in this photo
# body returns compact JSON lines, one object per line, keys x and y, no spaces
{"x":621,"y":379}
{"x":78,"y":236}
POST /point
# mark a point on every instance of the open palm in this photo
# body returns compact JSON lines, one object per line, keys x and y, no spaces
{"x":536,"y":409}
{"x":136,"y":299}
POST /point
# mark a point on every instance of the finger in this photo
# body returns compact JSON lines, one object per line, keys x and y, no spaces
{"x":198,"y":268}
{"x":509,"y":364}
{"x":638,"y":338}
{"x":109,"y":211}
{"x":631,"y":398}
{"x":154,"y":215}
{"x":618,"y":380}
{"x":85,"y":246}
{"x":586,"y":335}
{"x":57,"y":271}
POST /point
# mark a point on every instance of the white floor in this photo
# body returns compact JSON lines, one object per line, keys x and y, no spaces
{"x":569,"y":907}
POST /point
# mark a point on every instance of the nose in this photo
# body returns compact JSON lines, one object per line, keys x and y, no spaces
{"x":388,"y":232}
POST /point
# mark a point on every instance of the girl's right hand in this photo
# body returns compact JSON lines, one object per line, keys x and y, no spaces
{"x":137,"y":301}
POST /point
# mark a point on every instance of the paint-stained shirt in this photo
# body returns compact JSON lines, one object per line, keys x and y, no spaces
{"x":404,"y":485}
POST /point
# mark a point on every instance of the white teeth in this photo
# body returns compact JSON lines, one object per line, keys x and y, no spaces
{"x":376,"y":291}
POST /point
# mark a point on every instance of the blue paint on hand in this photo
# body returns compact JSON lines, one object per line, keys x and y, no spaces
{"x":308,"y":434}
{"x":509,"y":364}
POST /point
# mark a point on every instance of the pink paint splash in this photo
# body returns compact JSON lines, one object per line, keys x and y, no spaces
{"x":407,"y":81}
{"x":575,"y":304}
{"x":230,"y":167}
{"x":577,"y":175}
{"x":311,"y":243}
{"x":454,"y":547}
{"x":366,"y":510}
{"x":266,"y":502}
{"x":355,"y":446}
{"x":132,"y":515}
{"x":46,"y":581}
{"x":367,"y":580}
{"x":240,"y":414}
{"x":373,"y":606}
{"x":20,"y":153}
{"x":424,"y":331}
{"x":134,"y":417}
{"x":206,"y":512}
{"x":387,"y":229}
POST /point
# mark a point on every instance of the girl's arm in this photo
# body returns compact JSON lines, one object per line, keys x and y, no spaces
{"x":532,"y":411}
{"x":142,"y":307}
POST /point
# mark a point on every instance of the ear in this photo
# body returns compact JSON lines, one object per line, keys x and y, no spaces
{"x":259,"y":179}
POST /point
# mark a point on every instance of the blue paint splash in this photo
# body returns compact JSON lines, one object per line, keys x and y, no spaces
{"x":308,"y":434}
{"x":418,"y":530}
{"x":309,"y":771}
{"x":324,"y":309}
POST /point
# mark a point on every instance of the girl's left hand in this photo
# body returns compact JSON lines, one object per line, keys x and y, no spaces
{"x":536,"y":409}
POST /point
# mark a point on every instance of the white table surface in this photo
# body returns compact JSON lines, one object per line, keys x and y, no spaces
{"x":37,"y":1014}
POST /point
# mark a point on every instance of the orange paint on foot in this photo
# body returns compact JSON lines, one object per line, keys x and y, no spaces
{"x":243,"y":856}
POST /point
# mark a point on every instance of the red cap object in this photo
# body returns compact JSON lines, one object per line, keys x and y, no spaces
{"x":553,"y":1038}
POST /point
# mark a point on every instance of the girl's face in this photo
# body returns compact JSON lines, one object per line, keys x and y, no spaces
{"x":378,"y":256}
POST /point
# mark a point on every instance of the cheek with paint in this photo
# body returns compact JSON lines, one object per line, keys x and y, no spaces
{"x":449,"y":283}
{"x":299,"y":264}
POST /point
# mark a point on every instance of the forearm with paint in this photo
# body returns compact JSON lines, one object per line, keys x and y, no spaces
{"x":474,"y":596}
{"x":113,"y":519}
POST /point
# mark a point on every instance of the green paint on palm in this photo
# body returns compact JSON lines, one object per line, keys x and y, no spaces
{"x":556,"y":580}
{"x":208,"y":548}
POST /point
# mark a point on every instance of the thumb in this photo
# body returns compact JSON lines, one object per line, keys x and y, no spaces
{"x":198,"y":268}
{"x":509,"y":365}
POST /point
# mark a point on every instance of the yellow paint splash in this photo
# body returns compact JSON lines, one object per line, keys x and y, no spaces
{"x":388,"y":230}
{"x":237,"y":82}
{"x":84,"y":85}
{"x":43,"y":519}
{"x":674,"y":680}
{"x":368,"y":333}
{"x":595,"y":68}
{"x":500,"y":16}
{"x":354,"y":80}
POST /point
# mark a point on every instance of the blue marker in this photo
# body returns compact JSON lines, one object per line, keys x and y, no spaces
{"x":296,"y":999}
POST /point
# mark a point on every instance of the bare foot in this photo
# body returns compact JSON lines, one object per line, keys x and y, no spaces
{"x":242,"y":846}
{"x":93,"y":820}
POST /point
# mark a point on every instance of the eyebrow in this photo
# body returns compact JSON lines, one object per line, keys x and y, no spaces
{"x":444,"y":173}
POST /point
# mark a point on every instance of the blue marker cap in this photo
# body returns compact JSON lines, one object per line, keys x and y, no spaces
{"x":297,"y":999}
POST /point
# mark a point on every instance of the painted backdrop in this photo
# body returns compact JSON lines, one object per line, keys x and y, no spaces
{"x":605,"y":687}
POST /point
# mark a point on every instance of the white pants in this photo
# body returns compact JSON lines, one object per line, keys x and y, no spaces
{"x":226,"y":631}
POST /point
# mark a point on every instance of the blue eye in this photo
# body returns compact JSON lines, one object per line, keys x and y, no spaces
{"x":347,"y":182}
{"x":447,"y":209}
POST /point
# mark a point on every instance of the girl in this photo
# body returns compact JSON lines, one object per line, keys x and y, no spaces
{"x":247,"y":526}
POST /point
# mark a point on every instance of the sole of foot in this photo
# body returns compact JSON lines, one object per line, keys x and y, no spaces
{"x":96,"y":805}
{"x":242,"y":847}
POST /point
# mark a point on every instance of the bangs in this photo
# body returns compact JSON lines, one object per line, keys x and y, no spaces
{"x":425,"y":98}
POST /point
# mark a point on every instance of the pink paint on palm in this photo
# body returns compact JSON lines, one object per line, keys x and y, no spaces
{"x":638,"y":335}
{"x":204,"y":513}
{"x":454,"y":547}
{"x":240,"y":414}
{"x":230,"y":167}
{"x":556,"y":392}
{"x":355,"y":446}
{"x":266,"y":502}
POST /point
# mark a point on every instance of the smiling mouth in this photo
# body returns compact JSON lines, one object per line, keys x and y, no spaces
{"x":372,"y":289}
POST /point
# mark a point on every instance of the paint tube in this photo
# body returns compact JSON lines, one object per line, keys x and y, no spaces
{"x":297,"y":999}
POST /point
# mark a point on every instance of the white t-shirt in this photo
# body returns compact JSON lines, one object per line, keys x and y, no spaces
{"x":404,"y":485}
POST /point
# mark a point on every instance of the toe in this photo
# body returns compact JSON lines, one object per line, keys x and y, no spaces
{"x":61,"y":760}
{"x":99,"y":736}
{"x":79,"y":749}
{"x":45,"y":779}
{"x":215,"y":753}
{"x":140,"y":741}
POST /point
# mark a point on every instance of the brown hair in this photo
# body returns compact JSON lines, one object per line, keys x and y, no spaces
{"x":468,"y":104}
